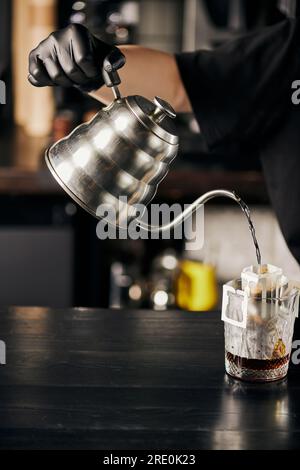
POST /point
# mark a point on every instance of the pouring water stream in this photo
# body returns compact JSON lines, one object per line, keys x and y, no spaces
{"x":193,"y":207}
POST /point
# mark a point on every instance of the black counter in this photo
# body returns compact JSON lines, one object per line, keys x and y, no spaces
{"x":104,"y":379}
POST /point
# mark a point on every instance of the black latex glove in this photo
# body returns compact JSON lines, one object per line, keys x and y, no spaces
{"x":72,"y":57}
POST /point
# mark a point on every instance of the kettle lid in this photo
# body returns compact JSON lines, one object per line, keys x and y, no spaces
{"x":156,"y":116}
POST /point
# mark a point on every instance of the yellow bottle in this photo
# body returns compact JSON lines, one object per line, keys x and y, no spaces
{"x":196,"y":286}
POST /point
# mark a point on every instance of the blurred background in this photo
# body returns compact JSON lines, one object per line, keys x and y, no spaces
{"x":49,"y":252}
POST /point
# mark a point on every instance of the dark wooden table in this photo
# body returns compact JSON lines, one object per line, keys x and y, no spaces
{"x":103,"y":379}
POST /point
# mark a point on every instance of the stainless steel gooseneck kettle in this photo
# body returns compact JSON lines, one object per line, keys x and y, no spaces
{"x":120,"y":156}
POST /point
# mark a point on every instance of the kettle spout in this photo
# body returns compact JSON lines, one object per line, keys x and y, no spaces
{"x":190,"y":210}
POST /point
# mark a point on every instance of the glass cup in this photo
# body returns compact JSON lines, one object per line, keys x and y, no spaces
{"x":258,"y":331}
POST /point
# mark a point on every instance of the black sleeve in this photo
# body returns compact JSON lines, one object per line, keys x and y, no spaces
{"x":238,"y":89}
{"x":281,"y":165}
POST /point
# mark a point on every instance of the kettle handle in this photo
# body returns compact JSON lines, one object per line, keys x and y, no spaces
{"x":112,"y":62}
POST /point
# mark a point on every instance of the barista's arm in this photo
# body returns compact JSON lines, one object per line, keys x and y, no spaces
{"x":149,"y":73}
{"x":237,"y":91}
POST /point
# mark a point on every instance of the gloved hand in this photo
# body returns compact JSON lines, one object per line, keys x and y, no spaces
{"x":72,"y":57}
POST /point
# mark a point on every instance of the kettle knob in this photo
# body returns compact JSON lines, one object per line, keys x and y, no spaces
{"x":164,"y":107}
{"x":162,"y":110}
